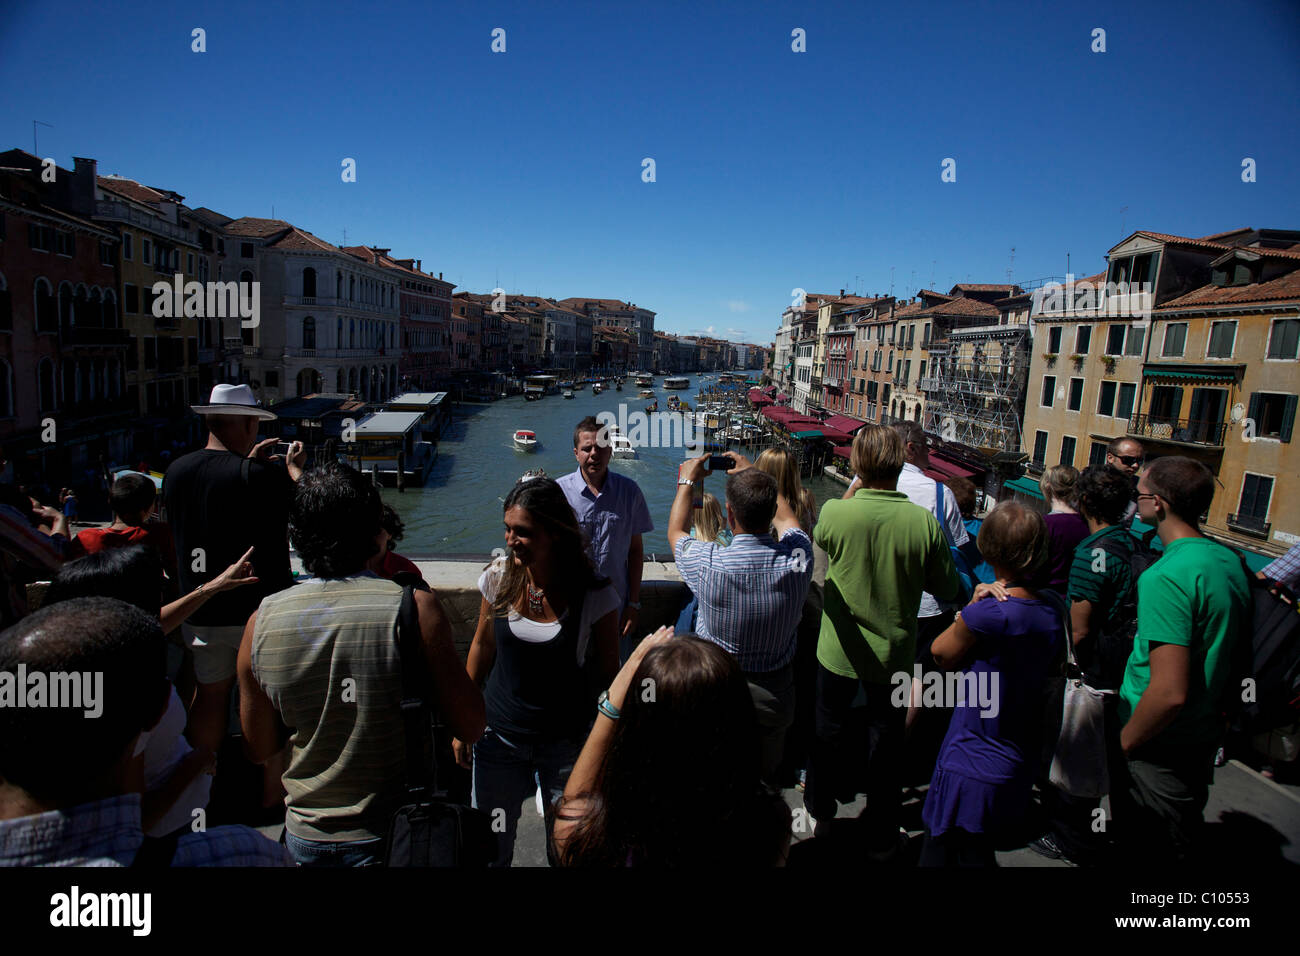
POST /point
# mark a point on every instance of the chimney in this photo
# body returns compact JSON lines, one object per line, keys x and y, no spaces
{"x":439,"y":275}
{"x":85,"y":176}
{"x":418,"y":263}
{"x":841,"y":293}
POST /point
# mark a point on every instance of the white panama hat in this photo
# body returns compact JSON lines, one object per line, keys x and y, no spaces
{"x":233,"y":400}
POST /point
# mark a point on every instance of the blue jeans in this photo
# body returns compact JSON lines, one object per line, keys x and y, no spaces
{"x":319,"y":853}
{"x":506,"y":774}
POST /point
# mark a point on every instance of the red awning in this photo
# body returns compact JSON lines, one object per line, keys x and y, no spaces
{"x":834,"y":434}
{"x":844,"y":423}
{"x":844,"y":451}
{"x":948,"y":468}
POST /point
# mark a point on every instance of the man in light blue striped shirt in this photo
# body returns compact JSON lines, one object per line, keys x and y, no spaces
{"x":751,"y":592}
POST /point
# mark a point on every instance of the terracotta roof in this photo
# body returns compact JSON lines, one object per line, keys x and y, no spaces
{"x":297,"y":238}
{"x":978,"y":287}
{"x":1283,"y":287}
{"x":1183,"y":240}
{"x":133,"y":190}
{"x":933,"y":294}
{"x":1220,"y":236}
{"x":256,"y":228}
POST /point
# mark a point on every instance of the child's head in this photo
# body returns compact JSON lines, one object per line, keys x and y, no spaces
{"x":1013,"y":539}
{"x":132,"y":498}
{"x":708,"y":519}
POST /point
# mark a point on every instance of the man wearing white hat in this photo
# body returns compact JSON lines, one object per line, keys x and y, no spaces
{"x":221,"y":500}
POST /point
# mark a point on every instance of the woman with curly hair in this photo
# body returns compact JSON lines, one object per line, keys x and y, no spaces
{"x":669,"y":776}
{"x":544,"y":614}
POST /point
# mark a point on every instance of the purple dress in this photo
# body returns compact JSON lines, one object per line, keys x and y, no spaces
{"x":1064,"y":532}
{"x":989,"y":760}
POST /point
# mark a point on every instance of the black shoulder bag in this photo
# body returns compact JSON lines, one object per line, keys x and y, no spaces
{"x":429,"y":829}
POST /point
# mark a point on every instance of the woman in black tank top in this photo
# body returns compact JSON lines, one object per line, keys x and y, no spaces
{"x":546,"y":623}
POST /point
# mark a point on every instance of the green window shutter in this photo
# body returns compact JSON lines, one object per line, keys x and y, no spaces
{"x":1288,"y":418}
{"x":1252,"y":411}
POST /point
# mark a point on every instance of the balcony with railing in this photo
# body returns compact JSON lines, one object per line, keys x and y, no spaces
{"x":121,"y":211}
{"x":350,"y":305}
{"x":1249,"y":524}
{"x":1178,"y":431}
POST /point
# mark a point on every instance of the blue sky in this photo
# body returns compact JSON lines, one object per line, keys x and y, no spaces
{"x":774,"y":169}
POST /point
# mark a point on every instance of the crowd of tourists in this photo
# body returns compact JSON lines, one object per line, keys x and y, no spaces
{"x":893,"y":644}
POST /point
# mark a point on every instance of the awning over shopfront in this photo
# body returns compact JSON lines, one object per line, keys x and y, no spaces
{"x":756,"y":397}
{"x":844,"y":423}
{"x":949,"y":469}
{"x":844,"y":451}
{"x":1025,"y":486}
{"x":1225,"y":374}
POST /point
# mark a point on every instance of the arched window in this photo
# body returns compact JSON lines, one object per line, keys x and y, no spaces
{"x":338,"y":285}
{"x":309,"y":332}
{"x":338,"y":335}
{"x":352,"y":288}
{"x":6,"y":390}
{"x":352,"y":333}
{"x":309,"y":282}
{"x":245,"y":276}
{"x":918,"y":413}
{"x":65,"y":304}
{"x":352,"y":380}
{"x":339,"y":381}
{"x":45,"y":385}
{"x":80,"y":306}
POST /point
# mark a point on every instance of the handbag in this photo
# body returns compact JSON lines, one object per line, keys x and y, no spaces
{"x":429,"y":829}
{"x":1079,"y":762}
{"x":965,"y":576}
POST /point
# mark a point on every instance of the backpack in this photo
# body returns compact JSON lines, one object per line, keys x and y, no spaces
{"x":1267,"y":652}
{"x":1115,"y":640}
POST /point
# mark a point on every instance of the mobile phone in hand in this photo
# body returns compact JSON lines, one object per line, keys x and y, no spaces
{"x":282,"y":448}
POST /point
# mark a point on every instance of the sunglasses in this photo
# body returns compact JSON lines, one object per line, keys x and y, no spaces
{"x":1131,"y":459}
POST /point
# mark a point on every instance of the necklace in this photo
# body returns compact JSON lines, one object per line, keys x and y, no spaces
{"x":535,"y":597}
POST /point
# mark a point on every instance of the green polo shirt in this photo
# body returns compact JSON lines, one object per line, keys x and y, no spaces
{"x":884,"y":551}
{"x":1196,"y":596}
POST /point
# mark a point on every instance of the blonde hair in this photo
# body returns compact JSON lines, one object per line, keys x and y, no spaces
{"x":708,"y":519}
{"x":782,"y":466}
{"x":878,"y":454}
{"x":1059,"y":482}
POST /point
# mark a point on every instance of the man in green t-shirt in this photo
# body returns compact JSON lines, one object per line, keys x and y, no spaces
{"x":1192,"y":605}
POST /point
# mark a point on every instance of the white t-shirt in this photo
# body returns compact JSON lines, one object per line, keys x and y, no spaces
{"x":164,"y":749}
{"x":598,"y":603}
{"x":921,"y":489}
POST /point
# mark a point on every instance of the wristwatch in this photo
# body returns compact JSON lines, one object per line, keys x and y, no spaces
{"x":685,"y":481}
{"x":605,"y":707}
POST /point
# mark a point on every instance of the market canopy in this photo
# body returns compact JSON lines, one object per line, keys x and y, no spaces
{"x":844,"y":451}
{"x":948,"y":468}
{"x":844,"y":423}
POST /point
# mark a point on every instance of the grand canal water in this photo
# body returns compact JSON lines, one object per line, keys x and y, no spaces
{"x":459,"y":509}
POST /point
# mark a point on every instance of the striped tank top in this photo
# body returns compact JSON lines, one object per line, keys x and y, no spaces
{"x":326,"y":654}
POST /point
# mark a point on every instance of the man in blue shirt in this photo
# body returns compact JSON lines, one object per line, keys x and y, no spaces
{"x":752,"y":591}
{"x":613,"y":515}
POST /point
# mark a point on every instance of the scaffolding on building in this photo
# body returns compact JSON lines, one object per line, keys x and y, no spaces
{"x":975,"y":394}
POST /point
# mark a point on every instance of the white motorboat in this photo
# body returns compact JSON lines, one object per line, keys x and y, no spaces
{"x":677,"y":383}
{"x":620,"y":444}
{"x":647,"y":393}
{"x":568,"y":393}
{"x":525,"y":440}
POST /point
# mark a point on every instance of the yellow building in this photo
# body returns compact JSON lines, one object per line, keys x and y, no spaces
{"x":1220,"y":385}
{"x":158,"y":242}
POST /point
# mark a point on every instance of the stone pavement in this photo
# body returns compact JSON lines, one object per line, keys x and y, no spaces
{"x":1250,"y":820}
